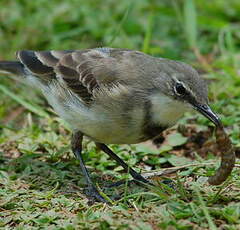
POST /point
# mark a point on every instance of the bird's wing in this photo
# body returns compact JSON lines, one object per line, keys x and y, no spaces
{"x":83,"y":71}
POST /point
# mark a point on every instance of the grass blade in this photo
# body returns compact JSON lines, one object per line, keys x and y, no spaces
{"x":33,"y":108}
{"x":118,"y":28}
{"x":148,"y":34}
{"x":205,"y":210}
{"x":190,"y":22}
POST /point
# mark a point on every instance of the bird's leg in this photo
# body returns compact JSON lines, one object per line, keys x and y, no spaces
{"x":77,"y":150}
{"x":134,"y":174}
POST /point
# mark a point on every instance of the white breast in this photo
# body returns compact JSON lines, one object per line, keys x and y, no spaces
{"x":165,"y":110}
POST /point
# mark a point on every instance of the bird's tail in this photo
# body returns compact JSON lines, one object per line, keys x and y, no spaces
{"x":12,"y":67}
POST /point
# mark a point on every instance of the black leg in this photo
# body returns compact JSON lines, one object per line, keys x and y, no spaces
{"x":134,"y":174}
{"x":77,"y":150}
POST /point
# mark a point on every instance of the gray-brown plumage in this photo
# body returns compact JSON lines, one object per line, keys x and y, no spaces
{"x":109,"y":77}
{"x":113,"y":95}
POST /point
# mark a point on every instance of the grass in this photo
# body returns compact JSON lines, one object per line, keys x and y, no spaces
{"x":40,"y":182}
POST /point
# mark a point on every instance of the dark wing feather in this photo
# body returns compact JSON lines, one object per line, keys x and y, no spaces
{"x":83,"y":71}
{"x":41,"y":63}
{"x":31,"y":61}
{"x":80,"y":64}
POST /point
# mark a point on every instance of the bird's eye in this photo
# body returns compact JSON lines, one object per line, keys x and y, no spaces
{"x":180,"y":89}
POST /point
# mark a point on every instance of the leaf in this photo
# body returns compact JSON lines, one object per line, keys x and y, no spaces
{"x":142,"y":148}
{"x":165,"y":148}
{"x":176,"y":139}
{"x":178,"y":161}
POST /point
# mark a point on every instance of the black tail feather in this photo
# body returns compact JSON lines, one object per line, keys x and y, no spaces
{"x":14,"y":67}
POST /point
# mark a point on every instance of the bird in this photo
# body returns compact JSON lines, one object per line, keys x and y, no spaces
{"x":113,"y":96}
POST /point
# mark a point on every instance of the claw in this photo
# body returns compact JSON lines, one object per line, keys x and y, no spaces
{"x":129,"y":182}
{"x":95,"y":196}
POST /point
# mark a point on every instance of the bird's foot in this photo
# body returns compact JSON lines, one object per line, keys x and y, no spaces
{"x":94,"y":195}
{"x":119,"y":183}
{"x":129,"y":182}
{"x":138,"y":178}
{"x":139,"y":181}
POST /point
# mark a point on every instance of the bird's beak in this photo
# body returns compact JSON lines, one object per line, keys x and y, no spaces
{"x":206,"y":111}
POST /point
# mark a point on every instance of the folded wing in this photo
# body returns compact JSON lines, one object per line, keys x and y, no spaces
{"x":82,"y":71}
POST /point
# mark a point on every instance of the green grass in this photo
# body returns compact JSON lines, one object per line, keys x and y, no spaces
{"x":41,"y":186}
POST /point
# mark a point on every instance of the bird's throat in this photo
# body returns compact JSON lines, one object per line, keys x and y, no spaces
{"x":166,"y":111}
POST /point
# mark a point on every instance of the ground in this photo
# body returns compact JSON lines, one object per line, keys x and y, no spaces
{"x":41,"y":186}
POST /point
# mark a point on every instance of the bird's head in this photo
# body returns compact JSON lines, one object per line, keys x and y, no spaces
{"x":183,"y":84}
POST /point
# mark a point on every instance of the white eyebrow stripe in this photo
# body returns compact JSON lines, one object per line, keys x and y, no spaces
{"x":185,"y":86}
